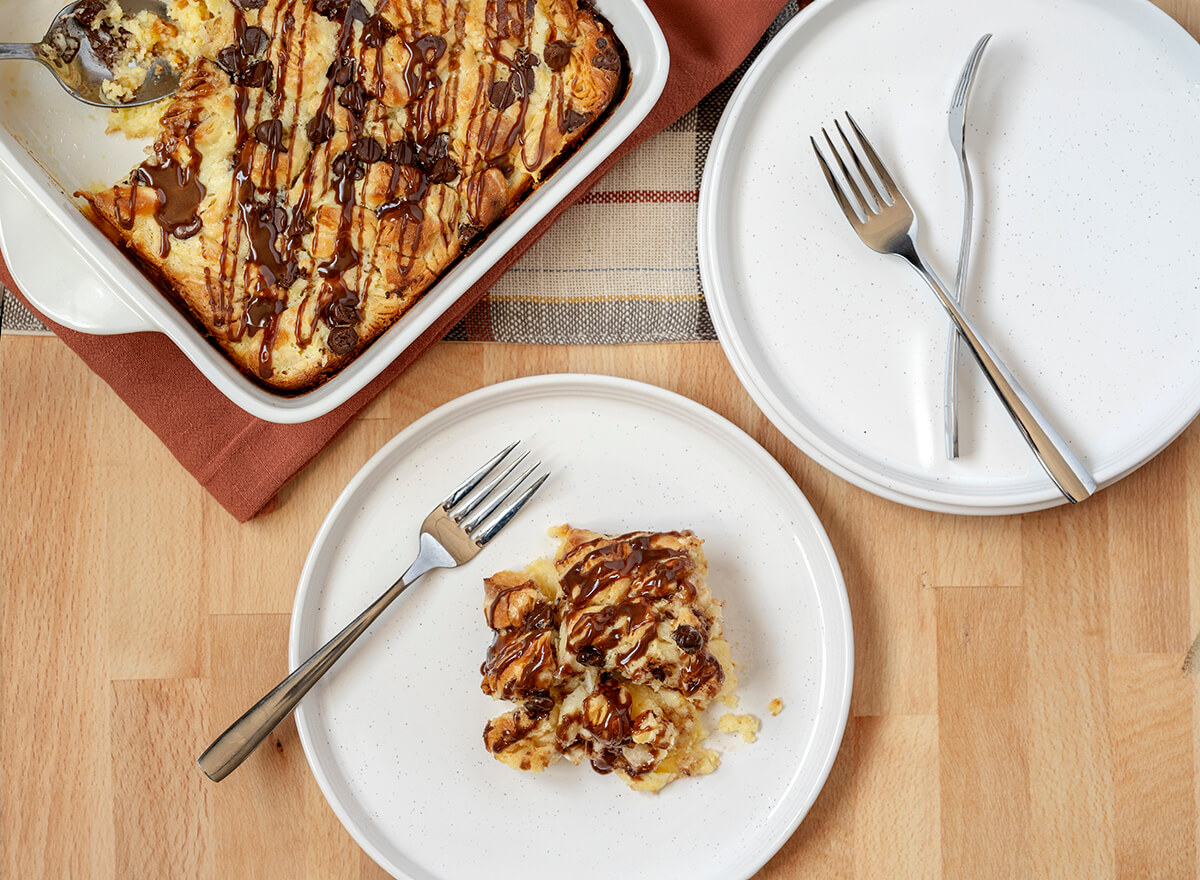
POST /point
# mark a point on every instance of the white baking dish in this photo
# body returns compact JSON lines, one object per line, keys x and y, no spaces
{"x":51,"y":146}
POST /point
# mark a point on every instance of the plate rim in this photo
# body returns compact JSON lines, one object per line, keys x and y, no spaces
{"x":796,"y":429}
{"x":837,"y":683}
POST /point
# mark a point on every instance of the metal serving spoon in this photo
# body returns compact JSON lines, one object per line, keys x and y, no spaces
{"x":69,"y":53}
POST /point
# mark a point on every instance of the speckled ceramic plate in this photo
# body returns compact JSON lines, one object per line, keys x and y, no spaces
{"x":394,"y":733}
{"x":1082,"y":133}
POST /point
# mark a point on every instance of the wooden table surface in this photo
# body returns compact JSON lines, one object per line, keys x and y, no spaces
{"x":1022,"y":706}
{"x":1025,"y":703}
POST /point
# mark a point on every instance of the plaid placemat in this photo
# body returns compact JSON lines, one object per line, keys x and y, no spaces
{"x":619,"y":266}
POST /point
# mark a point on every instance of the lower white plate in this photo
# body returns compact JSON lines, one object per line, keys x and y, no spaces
{"x":1085,"y":276}
{"x":394,"y":732}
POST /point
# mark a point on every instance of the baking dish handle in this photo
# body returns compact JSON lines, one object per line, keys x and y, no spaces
{"x":56,"y":279}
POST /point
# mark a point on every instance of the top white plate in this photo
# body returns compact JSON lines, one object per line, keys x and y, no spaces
{"x":394,"y":732}
{"x":1082,"y":134}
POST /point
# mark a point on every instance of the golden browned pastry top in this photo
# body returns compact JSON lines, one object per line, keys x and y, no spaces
{"x":325,"y":161}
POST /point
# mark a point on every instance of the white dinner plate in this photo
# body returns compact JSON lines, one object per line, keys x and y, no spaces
{"x":1082,"y":132}
{"x":394,"y":732}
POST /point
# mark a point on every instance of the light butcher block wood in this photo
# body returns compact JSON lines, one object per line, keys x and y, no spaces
{"x":983,"y":731}
{"x":1020,"y":704}
{"x":1024,"y":705}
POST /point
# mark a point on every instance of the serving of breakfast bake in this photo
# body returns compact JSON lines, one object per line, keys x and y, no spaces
{"x":609,"y":653}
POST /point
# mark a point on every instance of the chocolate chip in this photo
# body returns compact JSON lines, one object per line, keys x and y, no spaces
{"x":235,"y":59}
{"x":346,"y":165}
{"x":590,"y":655}
{"x":254,"y":41}
{"x":539,"y":704}
{"x":336,"y":10}
{"x":354,"y":98}
{"x":525,"y":58}
{"x":270,"y":134}
{"x":320,"y":129}
{"x":507,"y":25}
{"x":468,"y":232}
{"x":574,"y":119}
{"x":502,"y":95}
{"x":443,"y":170}
{"x":342,"y":340}
{"x":429,"y":48}
{"x":522,"y":81}
{"x":249,"y":4}
{"x":688,"y":638}
{"x":341,"y":314}
{"x":402,"y":153}
{"x":607,"y":59}
{"x":601,"y":43}
{"x":229,"y":59}
{"x":342,"y":70}
{"x":437,"y":146}
{"x":369,"y":150}
{"x":259,"y":76}
{"x":558,"y":54}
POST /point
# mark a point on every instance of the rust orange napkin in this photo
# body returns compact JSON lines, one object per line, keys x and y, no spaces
{"x":243,"y":461}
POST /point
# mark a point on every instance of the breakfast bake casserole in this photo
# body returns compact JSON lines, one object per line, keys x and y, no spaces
{"x":610,"y":652}
{"x":326,"y":161}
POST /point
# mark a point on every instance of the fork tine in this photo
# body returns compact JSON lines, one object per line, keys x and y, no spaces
{"x":851,"y":213}
{"x":508,"y":513}
{"x":474,"y":522}
{"x":472,"y":481}
{"x":964,"y":79}
{"x":480,"y":494}
{"x":870,"y":182}
{"x":865,"y":203}
{"x":873,"y":158}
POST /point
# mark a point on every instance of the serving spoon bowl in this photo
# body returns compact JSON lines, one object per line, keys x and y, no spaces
{"x":69,"y":52}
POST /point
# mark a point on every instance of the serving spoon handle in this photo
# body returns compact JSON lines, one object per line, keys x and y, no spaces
{"x":20,"y":51}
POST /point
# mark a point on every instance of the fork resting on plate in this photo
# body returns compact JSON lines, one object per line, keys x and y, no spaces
{"x":453,"y":533}
{"x":889,"y":226}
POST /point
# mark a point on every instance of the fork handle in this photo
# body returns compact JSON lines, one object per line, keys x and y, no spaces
{"x":243,"y":736}
{"x":1063,"y":466}
{"x":950,"y":388}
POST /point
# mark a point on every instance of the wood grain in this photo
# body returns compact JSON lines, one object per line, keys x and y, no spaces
{"x":1020,"y":707}
{"x":1023,"y":701}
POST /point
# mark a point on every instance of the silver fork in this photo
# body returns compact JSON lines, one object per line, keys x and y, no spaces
{"x":889,"y":226}
{"x":957,"y":123}
{"x":453,"y":533}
